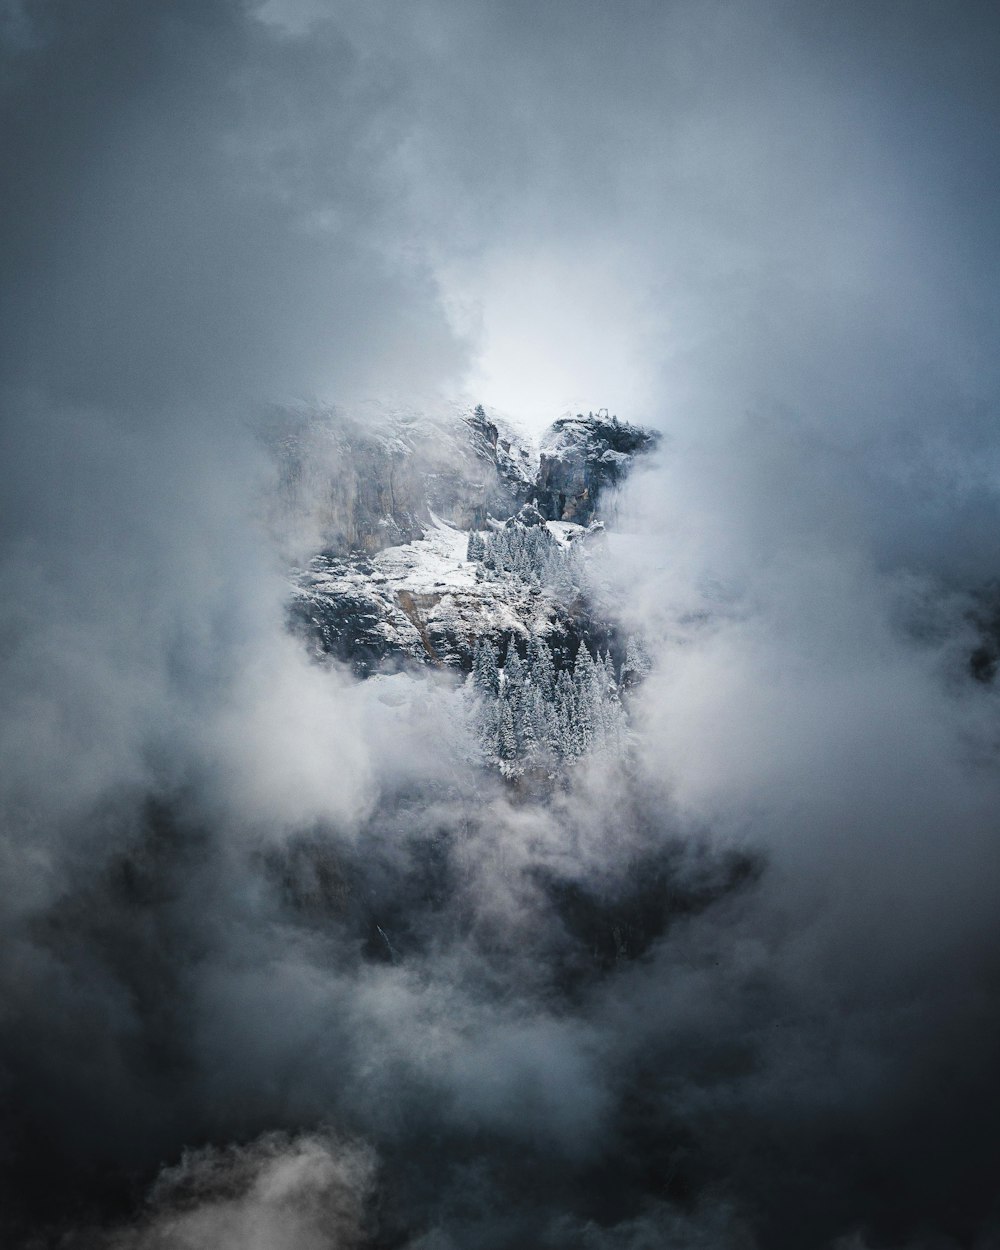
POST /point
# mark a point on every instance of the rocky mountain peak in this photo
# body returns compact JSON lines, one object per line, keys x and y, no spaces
{"x":581,"y":459}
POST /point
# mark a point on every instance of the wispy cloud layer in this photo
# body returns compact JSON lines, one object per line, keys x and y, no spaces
{"x":232,"y":916}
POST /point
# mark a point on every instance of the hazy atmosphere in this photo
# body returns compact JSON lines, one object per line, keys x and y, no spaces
{"x":500,"y":735}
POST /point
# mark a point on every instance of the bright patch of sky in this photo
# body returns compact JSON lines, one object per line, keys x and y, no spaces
{"x":556,"y":331}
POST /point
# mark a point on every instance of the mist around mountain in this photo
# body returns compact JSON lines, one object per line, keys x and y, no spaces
{"x":435,"y":953}
{"x":492,"y":551}
{"x":515,"y":599}
{"x":416,"y":835}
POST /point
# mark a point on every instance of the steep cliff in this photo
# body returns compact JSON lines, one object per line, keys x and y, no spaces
{"x":582,"y":460}
{"x":368,"y":478}
{"x":391,"y":494}
{"x":425,"y":603}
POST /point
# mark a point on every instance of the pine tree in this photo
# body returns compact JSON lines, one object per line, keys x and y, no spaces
{"x":615,"y":725}
{"x":506,"y":737}
{"x":531,"y":659}
{"x":514,"y":671}
{"x":528,"y":736}
{"x":568,"y":726}
{"x":636,"y":663}
{"x":514,"y":687}
{"x":482,"y":710}
{"x":475,"y":548}
{"x":541,"y":669}
{"x":584,"y":670}
{"x":555,"y":731}
{"x":485,"y":675}
{"x":486,"y":720}
{"x":514,"y":674}
{"x":536,"y":714}
{"x":586,"y":698}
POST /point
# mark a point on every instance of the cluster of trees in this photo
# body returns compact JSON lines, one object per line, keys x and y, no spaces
{"x":527,"y":716}
{"x":530,"y":553}
{"x":636,"y":664}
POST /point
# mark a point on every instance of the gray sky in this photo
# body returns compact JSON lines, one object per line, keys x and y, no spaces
{"x":687,"y":210}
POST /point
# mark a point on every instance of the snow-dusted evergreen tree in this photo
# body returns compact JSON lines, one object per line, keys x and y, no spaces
{"x":608,"y":670}
{"x":483,"y":712}
{"x":531,"y":554}
{"x":636,"y":664}
{"x":613,"y":725}
{"x":485,"y":674}
{"x":527,"y":715}
{"x":513,"y":669}
{"x":475,"y":549}
{"x":568,"y":741}
{"x":585,"y":676}
{"x":514,"y":688}
{"x":534,"y":725}
{"x":507,"y":744}
{"x":541,"y":667}
{"x":588,"y":697}
{"x":556,"y":730}
{"x":568,"y":575}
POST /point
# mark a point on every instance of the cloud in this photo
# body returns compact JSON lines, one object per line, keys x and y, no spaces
{"x":744,"y":994}
{"x":278,"y":1193}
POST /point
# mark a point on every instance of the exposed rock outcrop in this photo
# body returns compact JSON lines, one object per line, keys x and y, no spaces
{"x":364,"y":480}
{"x":388,"y":496}
{"x":582,"y":460}
{"x":425,"y":603}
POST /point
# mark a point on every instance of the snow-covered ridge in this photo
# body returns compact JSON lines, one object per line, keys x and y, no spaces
{"x":423,"y":601}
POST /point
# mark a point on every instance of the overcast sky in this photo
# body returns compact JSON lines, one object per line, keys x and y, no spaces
{"x":686,"y":211}
{"x":710,"y":217}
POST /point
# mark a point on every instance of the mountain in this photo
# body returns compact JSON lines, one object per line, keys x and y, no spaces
{"x":393,"y":496}
{"x":583,"y":458}
{"x":369,"y":477}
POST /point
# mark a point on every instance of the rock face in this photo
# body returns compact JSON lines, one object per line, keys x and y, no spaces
{"x":582,"y":460}
{"x":423,"y":603}
{"x":388,"y":496}
{"x":368,"y":479}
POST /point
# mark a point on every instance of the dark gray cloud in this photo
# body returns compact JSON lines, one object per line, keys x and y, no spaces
{"x":245,"y":899}
{"x":196,"y":211}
